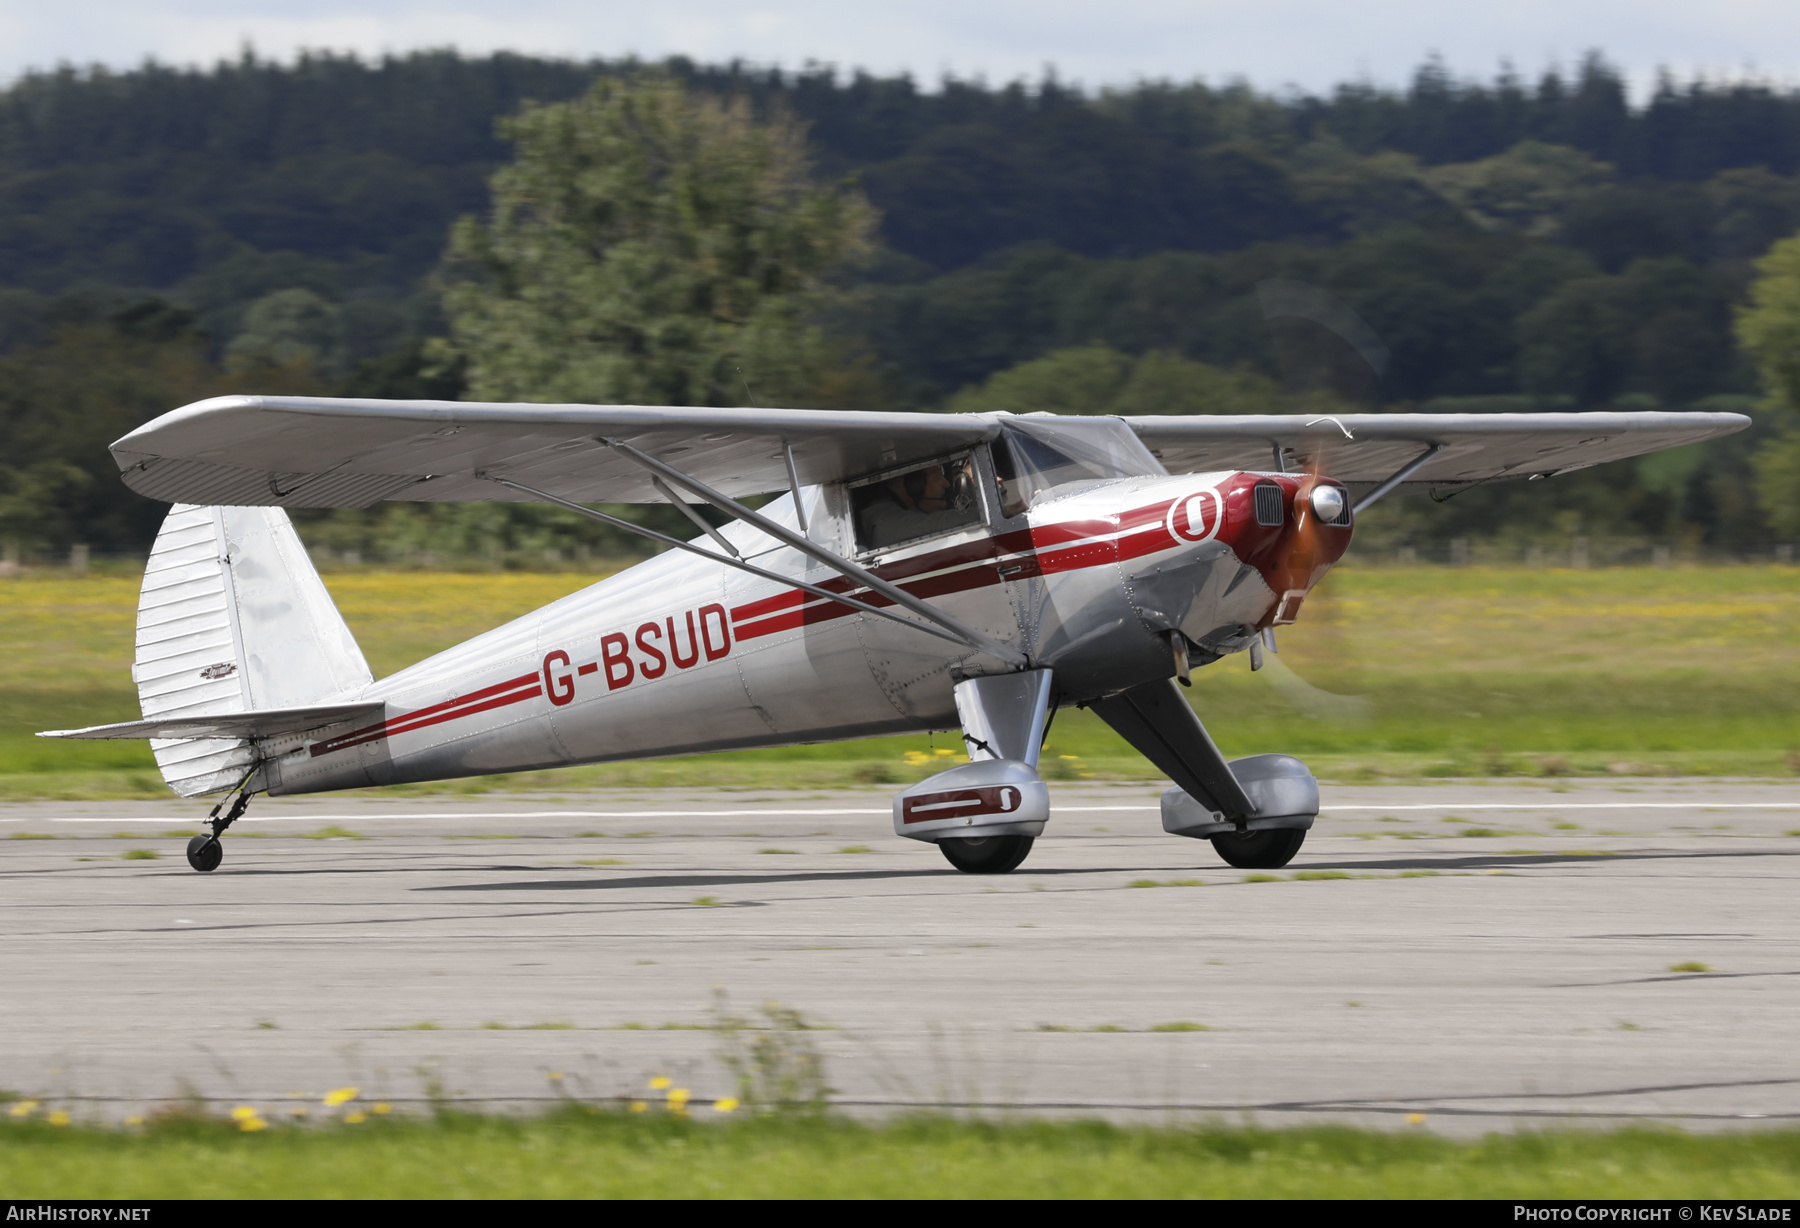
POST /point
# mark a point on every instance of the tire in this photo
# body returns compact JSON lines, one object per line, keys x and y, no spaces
{"x":1260,"y":850}
{"x":986,"y":854}
{"x":205,"y":853}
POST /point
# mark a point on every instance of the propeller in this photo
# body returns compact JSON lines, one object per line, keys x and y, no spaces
{"x":1321,"y":506}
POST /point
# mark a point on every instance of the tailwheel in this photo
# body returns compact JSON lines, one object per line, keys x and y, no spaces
{"x":986,"y":854}
{"x":1259,"y":850}
{"x":205,"y":853}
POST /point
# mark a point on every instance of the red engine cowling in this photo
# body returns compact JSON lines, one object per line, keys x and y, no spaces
{"x":1273,"y":522}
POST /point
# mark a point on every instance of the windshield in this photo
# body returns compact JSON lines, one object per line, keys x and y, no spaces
{"x":1036,"y":456}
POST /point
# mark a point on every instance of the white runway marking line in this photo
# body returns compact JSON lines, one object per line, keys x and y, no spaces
{"x":825,"y":814}
{"x":1580,"y":806}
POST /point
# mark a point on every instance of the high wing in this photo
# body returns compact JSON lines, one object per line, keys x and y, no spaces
{"x":319,"y":452}
{"x":258,"y":723}
{"x":1362,"y":450}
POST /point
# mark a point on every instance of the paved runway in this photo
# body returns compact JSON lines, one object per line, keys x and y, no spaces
{"x":1500,"y":955}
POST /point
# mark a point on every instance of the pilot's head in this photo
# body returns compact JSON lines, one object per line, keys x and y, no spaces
{"x":923,"y":490}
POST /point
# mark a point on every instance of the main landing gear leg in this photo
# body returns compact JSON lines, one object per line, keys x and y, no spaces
{"x":205,"y":852}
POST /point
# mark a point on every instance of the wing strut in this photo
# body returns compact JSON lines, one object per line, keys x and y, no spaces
{"x":738,"y":563}
{"x":787,"y":454}
{"x":662,"y":488}
{"x":844,"y":567}
{"x":1400,"y":475}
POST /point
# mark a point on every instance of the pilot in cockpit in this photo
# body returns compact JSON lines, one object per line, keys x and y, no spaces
{"x":932,"y":499}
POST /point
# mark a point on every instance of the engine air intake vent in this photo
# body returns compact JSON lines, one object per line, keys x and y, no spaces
{"x":1268,"y":504}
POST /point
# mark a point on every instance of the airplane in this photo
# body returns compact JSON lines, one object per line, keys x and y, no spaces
{"x":911,"y":572}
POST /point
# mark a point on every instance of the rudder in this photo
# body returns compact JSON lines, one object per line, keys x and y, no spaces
{"x":233,"y":617}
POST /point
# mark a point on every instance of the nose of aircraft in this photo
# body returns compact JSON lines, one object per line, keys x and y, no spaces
{"x":1290,"y":527}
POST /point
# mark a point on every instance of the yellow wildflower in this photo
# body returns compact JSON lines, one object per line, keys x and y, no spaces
{"x":343,"y":1095}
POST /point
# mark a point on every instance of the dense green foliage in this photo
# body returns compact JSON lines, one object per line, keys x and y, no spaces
{"x":1770,"y":331}
{"x":648,"y":247}
{"x":1514,"y":244}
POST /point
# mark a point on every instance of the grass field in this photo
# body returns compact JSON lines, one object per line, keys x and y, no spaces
{"x":1400,"y":672}
{"x":580,"y":1154}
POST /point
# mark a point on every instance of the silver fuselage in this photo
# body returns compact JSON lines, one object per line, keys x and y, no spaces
{"x":679,"y":655}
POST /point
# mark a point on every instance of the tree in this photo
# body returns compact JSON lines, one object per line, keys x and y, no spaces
{"x":62,"y":403}
{"x":647,"y":246}
{"x":1096,"y":379}
{"x":289,"y":328}
{"x":1769,"y":329}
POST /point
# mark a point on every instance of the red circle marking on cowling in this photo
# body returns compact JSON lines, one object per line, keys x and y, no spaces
{"x":1195,"y":517}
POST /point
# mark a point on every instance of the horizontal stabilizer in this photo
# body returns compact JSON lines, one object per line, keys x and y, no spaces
{"x":267,"y":723}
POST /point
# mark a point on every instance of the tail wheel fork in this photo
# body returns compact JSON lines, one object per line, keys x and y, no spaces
{"x":205,"y":852}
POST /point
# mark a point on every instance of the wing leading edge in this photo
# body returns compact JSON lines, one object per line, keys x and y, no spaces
{"x":1363,"y":450}
{"x":319,"y":452}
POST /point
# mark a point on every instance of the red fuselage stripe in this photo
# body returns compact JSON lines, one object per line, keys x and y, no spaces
{"x":1084,"y":544}
{"x":1046,"y":550}
{"x":500,"y":695}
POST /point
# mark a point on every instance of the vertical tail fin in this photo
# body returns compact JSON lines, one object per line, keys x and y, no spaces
{"x":233,"y":617}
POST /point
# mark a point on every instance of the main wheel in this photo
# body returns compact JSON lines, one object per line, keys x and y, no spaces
{"x":1260,"y":850}
{"x":986,"y":854}
{"x":205,"y":853}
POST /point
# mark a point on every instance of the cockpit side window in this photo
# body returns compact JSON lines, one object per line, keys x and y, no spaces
{"x":923,"y":502}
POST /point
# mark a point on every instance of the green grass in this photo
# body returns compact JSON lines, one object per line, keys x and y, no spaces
{"x":577,"y":1153}
{"x":1466,"y":672}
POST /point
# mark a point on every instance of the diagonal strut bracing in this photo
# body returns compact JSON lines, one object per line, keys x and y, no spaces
{"x":731,"y":507}
{"x":641,"y":530}
{"x":1400,"y":475}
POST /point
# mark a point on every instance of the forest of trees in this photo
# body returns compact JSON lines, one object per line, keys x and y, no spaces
{"x":167,"y":234}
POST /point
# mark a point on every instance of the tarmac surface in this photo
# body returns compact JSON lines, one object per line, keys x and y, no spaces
{"x":1485,"y":955}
